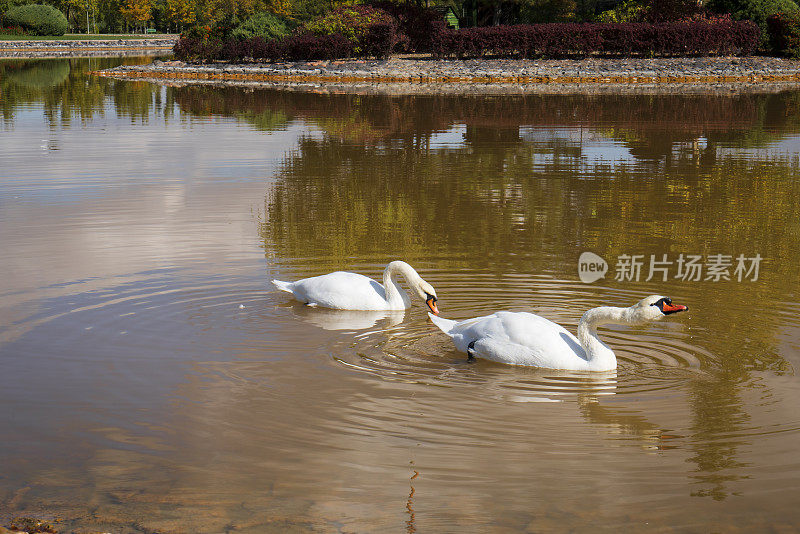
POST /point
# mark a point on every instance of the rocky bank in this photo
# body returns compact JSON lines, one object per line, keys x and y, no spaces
{"x":415,"y":74}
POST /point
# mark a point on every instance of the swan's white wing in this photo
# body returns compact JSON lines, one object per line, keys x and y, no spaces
{"x":445,"y":325}
{"x":341,"y":290}
{"x":520,"y":339}
{"x":283,"y":286}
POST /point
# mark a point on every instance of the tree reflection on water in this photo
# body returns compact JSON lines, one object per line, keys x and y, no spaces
{"x":503,"y":200}
{"x":66,"y":92}
{"x":523,"y":184}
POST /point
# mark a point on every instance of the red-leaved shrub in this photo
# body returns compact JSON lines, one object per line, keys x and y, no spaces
{"x":784,"y":34}
{"x":378,"y":40}
{"x":724,"y":37}
{"x":305,"y":46}
{"x":416,"y":25}
{"x":197,"y":49}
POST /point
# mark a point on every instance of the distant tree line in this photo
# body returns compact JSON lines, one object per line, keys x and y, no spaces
{"x":112,"y":16}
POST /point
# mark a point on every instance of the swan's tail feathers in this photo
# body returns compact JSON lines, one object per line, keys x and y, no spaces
{"x":445,"y":325}
{"x":283,"y":286}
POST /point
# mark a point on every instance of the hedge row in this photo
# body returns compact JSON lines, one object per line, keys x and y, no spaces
{"x":529,"y":41}
{"x":620,"y":39}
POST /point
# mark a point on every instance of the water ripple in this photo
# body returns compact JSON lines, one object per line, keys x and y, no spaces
{"x":657,"y":358}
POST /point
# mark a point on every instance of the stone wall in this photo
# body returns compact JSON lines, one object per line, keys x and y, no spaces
{"x":54,"y":48}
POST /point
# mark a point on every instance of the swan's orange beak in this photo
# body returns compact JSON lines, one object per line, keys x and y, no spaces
{"x":672,"y":308}
{"x":431,"y":302}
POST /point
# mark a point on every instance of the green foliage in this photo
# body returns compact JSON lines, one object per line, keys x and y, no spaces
{"x":627,"y":11}
{"x":37,"y":19}
{"x":352,"y":21}
{"x":303,"y":11}
{"x":40,"y":75}
{"x":5,"y":5}
{"x":220,"y":31}
{"x":756,"y":10}
{"x":262,"y":24}
{"x":539,"y":11}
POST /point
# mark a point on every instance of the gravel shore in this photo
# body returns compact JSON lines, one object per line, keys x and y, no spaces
{"x":415,"y":74}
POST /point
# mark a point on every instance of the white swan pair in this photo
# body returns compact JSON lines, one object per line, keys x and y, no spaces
{"x":516,"y":338}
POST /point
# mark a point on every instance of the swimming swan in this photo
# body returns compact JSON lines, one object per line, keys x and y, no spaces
{"x":351,"y":291}
{"x":521,"y":338}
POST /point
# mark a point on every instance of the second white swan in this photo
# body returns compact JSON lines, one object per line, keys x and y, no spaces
{"x":521,"y":338}
{"x":351,"y":291}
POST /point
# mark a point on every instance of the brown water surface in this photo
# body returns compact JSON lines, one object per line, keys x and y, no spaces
{"x":154,"y":381}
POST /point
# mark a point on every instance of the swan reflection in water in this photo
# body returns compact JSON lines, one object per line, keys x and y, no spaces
{"x":531,"y":384}
{"x":591,"y":393}
{"x":329,"y":319}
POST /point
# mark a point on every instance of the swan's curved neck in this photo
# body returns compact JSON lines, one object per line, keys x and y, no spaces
{"x":597,"y":352}
{"x":395,"y":295}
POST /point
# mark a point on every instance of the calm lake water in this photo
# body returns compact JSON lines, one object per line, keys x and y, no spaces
{"x":154,"y":381}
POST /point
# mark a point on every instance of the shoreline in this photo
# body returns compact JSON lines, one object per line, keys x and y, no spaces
{"x":37,"y":49}
{"x":418,"y":74}
{"x":421,"y":74}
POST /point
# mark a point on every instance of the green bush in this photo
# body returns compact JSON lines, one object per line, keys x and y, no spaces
{"x":37,"y":19}
{"x":627,"y":11}
{"x":354,"y":22}
{"x":538,"y":11}
{"x":756,"y":10}
{"x":262,"y":24}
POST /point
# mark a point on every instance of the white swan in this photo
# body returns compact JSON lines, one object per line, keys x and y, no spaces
{"x":521,"y":338}
{"x":351,"y":291}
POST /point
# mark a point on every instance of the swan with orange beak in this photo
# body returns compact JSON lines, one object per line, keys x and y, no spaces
{"x":521,"y":338}
{"x":351,"y":291}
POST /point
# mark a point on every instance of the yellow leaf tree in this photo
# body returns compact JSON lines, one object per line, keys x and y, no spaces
{"x":280,"y":7}
{"x":137,"y":12}
{"x":181,"y":12}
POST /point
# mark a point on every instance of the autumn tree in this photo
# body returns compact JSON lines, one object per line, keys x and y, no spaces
{"x":137,"y":12}
{"x":181,"y":12}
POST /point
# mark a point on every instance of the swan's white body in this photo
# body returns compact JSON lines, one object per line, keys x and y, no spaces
{"x":520,"y":338}
{"x":351,"y":291}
